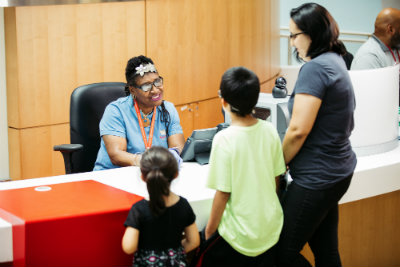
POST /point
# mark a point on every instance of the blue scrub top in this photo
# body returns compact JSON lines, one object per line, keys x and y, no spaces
{"x":120,"y":119}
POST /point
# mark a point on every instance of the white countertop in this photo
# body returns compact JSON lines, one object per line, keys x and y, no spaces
{"x":374,"y":175}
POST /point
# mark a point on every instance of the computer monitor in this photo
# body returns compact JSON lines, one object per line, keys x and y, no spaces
{"x":277,"y":109}
{"x":198,"y":145}
{"x":271,"y":109}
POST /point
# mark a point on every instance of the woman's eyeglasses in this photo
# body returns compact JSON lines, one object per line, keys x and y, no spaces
{"x":294,"y":35}
{"x":148,"y":86}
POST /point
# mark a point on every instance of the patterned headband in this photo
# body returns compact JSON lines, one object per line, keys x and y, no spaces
{"x":141,"y":70}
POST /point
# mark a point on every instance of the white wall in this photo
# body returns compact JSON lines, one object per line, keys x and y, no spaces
{"x":4,"y":169}
{"x":391,"y":3}
{"x":356,"y":16}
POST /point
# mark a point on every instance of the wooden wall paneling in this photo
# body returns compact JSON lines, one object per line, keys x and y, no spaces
{"x":267,"y":87}
{"x":33,"y":66}
{"x":10,"y":32}
{"x":274,"y":41}
{"x":14,"y":153}
{"x":50,"y":50}
{"x":307,"y":253}
{"x":194,"y":42}
{"x":62,"y":71}
{"x":37,"y":157}
{"x":60,"y":134}
{"x":89,"y":43}
{"x":186,"y":115}
{"x":176,"y":37}
{"x":135,"y":19}
{"x":109,"y":34}
{"x":200,"y":115}
{"x":273,"y":47}
{"x":60,"y":47}
{"x":208,"y":113}
{"x":33,"y":154}
{"x":254,"y":36}
{"x":123,"y":36}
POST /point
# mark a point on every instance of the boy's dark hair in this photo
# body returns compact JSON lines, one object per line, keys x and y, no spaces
{"x":158,"y":167}
{"x":315,"y":21}
{"x":240,"y":87}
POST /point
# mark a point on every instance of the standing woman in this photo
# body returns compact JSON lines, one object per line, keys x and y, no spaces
{"x":142,"y":119}
{"x":316,"y":146}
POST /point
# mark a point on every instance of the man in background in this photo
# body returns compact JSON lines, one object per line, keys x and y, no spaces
{"x":382,"y":48}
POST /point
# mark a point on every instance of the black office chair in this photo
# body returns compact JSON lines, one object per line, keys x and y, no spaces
{"x":87,"y":106}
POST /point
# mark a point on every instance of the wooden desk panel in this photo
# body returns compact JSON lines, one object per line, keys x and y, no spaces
{"x":369,"y":233}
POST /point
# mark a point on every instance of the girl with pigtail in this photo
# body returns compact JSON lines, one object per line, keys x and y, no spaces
{"x":154,"y":227}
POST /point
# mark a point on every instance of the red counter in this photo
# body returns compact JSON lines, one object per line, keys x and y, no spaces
{"x":69,"y":224}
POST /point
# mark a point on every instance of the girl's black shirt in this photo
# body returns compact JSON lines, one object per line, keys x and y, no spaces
{"x":163,"y":231}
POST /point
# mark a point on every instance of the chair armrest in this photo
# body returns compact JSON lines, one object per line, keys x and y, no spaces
{"x":66,"y":151}
{"x":69,"y":148}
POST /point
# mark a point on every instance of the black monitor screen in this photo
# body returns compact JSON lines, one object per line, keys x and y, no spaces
{"x":198,"y":145}
{"x":262,"y":113}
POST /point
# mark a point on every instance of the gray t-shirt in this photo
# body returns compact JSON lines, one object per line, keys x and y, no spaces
{"x":326,"y":156}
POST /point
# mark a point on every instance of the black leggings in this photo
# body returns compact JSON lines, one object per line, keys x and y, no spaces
{"x":311,"y":216}
{"x":217,"y":252}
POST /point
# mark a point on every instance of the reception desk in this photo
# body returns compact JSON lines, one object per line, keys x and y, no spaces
{"x":75,"y":226}
{"x":366,"y":237}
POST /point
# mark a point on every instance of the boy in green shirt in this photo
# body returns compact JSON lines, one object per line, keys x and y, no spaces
{"x":245,"y":163}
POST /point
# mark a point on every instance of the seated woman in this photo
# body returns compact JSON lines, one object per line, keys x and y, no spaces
{"x":134,"y":123}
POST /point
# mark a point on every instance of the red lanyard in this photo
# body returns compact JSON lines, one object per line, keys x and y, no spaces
{"x":394,"y":57}
{"x":146,"y":144}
